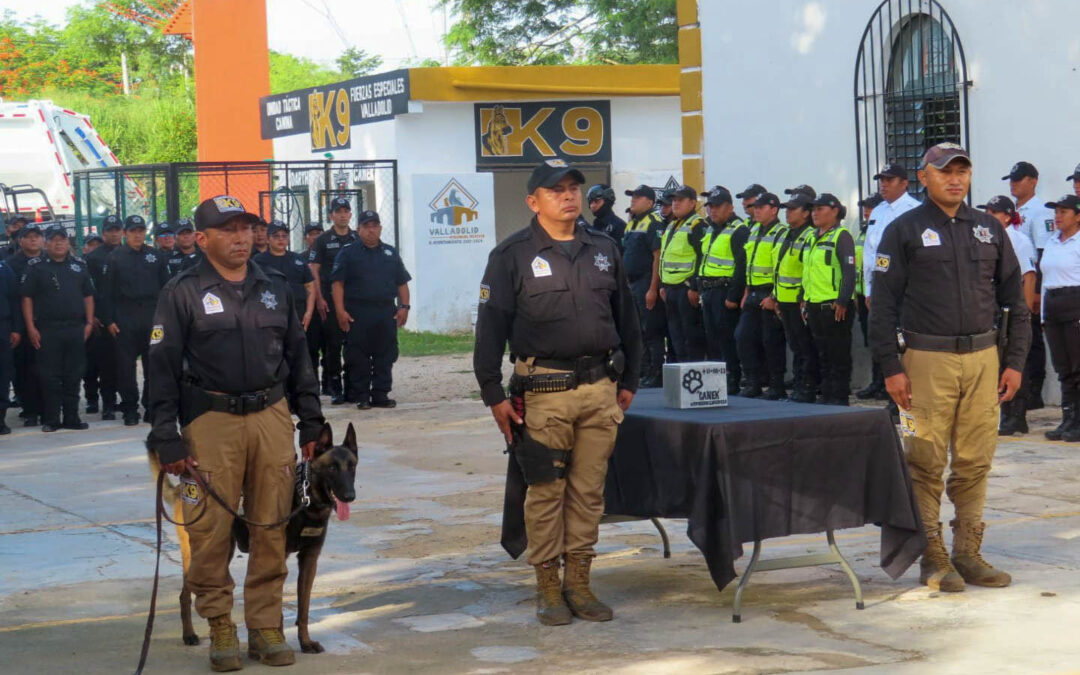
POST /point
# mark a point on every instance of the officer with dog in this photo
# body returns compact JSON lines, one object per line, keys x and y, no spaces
{"x":227,"y":358}
{"x":58,"y":307}
{"x":321,"y":259}
{"x":558,"y":293}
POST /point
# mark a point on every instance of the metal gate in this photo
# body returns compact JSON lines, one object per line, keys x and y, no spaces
{"x":293,"y":192}
{"x":911,"y":87}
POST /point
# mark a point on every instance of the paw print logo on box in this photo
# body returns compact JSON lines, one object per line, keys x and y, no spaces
{"x":692,"y":382}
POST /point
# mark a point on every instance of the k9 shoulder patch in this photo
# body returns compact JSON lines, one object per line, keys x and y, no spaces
{"x":485,"y":293}
{"x":157,"y":334}
{"x":881,"y":262}
{"x":189,"y":491}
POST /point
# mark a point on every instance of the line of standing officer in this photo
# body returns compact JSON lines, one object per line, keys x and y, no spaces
{"x":58,"y":308}
{"x":641,"y":257}
{"x":1061,"y":311}
{"x":101,"y":347}
{"x":680,"y":257}
{"x":27,"y":382}
{"x":368,"y":276}
{"x":601,"y":200}
{"x":291,"y":264}
{"x":787,"y":292}
{"x":875,"y":389}
{"x":722,"y":280}
{"x":321,"y":259}
{"x":11,"y":329}
{"x":314,"y":330}
{"x":134,"y":275}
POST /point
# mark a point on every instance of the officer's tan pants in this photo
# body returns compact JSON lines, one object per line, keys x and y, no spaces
{"x":954,"y":401}
{"x":251,"y":455}
{"x":564,"y":515}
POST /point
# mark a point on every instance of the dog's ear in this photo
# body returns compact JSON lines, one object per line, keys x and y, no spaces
{"x":325,"y":441}
{"x":350,"y":439}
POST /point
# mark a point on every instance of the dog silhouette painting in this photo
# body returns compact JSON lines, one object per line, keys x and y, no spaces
{"x":494,"y":136}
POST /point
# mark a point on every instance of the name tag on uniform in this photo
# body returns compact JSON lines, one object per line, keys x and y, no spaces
{"x":930,"y":238}
{"x":541,"y":267}
{"x":212,"y":304}
{"x":1049,"y":225}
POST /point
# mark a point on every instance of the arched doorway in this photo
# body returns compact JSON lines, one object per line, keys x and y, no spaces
{"x":911,"y":87}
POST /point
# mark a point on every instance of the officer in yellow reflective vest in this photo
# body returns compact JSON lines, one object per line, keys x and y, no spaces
{"x":876,"y":388}
{"x":760,"y":335}
{"x":722,"y":279}
{"x":680,"y":255}
{"x":788,"y":288}
{"x":828,"y":285}
{"x":641,"y":258}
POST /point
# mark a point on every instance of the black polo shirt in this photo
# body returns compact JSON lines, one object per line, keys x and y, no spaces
{"x":370,"y":274}
{"x":326,"y":248}
{"x":58,"y":289}
{"x":296,"y":272}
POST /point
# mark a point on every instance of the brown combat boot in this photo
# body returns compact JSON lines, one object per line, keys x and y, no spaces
{"x":224,"y":645}
{"x":967,"y":540}
{"x":268,"y":647}
{"x":935,"y":568}
{"x":551,"y":609}
{"x":576,"y":590}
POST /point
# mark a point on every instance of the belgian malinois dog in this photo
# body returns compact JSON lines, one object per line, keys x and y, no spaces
{"x":331,"y":475}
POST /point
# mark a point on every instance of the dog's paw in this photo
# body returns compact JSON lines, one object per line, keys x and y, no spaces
{"x":312,"y":647}
{"x":191,"y":640}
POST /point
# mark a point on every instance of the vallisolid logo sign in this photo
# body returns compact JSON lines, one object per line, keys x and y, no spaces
{"x":452,"y":210}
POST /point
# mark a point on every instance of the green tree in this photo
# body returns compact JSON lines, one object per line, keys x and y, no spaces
{"x":354,"y":62}
{"x":288,"y":72}
{"x":553,"y":32}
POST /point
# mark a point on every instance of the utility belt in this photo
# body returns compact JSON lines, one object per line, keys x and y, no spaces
{"x":583,"y":370}
{"x":1062,"y":304}
{"x":350,"y":302}
{"x":708,"y":283}
{"x":74,"y":322}
{"x":196,"y":401}
{"x":955,"y":344}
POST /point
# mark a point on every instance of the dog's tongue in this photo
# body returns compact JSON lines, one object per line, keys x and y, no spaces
{"x":342,"y":509}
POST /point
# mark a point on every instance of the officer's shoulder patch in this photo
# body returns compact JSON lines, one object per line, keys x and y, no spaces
{"x":157,"y":334}
{"x":881,"y":262}
{"x":189,"y":491}
{"x":485,"y":293}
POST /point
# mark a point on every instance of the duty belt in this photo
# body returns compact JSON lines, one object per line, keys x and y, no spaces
{"x":956,"y":344}
{"x":585,"y":370}
{"x":246,"y":403}
{"x":715,"y":282}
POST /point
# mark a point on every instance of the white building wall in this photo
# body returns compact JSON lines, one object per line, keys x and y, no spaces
{"x":646,"y":139}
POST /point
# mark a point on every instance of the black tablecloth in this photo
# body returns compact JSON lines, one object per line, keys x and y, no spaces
{"x":754,"y":470}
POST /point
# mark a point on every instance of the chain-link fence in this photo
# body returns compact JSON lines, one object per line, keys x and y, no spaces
{"x":294,"y":192}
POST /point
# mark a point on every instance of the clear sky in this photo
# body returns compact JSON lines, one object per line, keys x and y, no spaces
{"x":393,"y":29}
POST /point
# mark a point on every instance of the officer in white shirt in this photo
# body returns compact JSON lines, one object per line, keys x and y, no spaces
{"x":1061,"y":311}
{"x":892,"y":186}
{"x":1075,"y":178}
{"x":1037,"y":222}
{"x":1014,"y":412}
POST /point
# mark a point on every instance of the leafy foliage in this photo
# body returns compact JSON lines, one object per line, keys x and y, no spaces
{"x":288,"y":72}
{"x":554,"y":32}
{"x":354,"y":62}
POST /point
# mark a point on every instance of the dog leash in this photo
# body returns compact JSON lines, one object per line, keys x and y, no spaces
{"x":159,"y":513}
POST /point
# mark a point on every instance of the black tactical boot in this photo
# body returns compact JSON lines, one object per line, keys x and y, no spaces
{"x":1068,"y":417}
{"x":4,"y":428}
{"x":1013,"y":417}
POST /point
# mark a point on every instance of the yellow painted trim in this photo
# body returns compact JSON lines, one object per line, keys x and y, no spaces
{"x":690,"y":47}
{"x":549,"y":82}
{"x":693,"y":134}
{"x":686,"y":12}
{"x":690,"y":91}
{"x":693,"y":172}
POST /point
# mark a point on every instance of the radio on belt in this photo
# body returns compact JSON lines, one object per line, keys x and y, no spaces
{"x":702,"y":384}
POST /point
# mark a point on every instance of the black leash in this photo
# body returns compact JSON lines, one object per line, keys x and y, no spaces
{"x":159,"y":513}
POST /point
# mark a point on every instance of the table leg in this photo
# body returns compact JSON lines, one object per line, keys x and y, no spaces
{"x":663,"y":537}
{"x":736,"y":615}
{"x":847,"y":569}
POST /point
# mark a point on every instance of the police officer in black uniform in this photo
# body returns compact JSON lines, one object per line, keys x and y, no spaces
{"x":11,"y":330}
{"x":58,"y":307}
{"x":321,"y":258}
{"x":12,"y":228}
{"x":293,"y":266}
{"x":368,"y":276}
{"x":134,"y":275}
{"x":101,"y":347}
{"x":187,"y":254}
{"x":165,"y":240}
{"x":315,"y":326}
{"x":601,"y":200}
{"x":641,"y":255}
{"x":27,"y":382}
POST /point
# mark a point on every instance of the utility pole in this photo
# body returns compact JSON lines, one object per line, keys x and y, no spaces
{"x":124,"y":70}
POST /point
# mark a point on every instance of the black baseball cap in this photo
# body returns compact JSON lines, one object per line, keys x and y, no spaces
{"x":340,"y":203}
{"x":133,"y":222}
{"x":826,"y":199}
{"x":367,"y":217}
{"x":752,"y":190}
{"x":1066,"y":202}
{"x":548,"y":173}
{"x":184,"y":224}
{"x":718,"y":195}
{"x":642,"y":191}
{"x":1001,"y":204}
{"x":30,"y":226}
{"x":55,"y":231}
{"x":18,"y":218}
{"x":871,"y":201}
{"x":92,"y":238}
{"x":893,"y":170}
{"x":165,"y":230}
{"x":276,"y":226}
{"x":313,"y":227}
{"x":665,"y":198}
{"x":1021,"y":170}
{"x":767,"y":199}
{"x":803,"y":189}
{"x":217,"y":211}
{"x":798,"y":200}
{"x":941,"y":154}
{"x":111,"y":222}
{"x":1075,"y":174}
{"x":684,"y":192}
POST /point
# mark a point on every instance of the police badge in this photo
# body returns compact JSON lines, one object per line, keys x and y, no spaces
{"x":983,"y":234}
{"x":269,"y":300}
{"x":602,"y":263}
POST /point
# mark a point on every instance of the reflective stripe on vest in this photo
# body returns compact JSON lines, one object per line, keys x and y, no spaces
{"x":860,"y":244}
{"x":822,"y":271}
{"x":789,"y":271}
{"x":719,"y":259}
{"x":677,"y":256}
{"x":761,"y":249}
